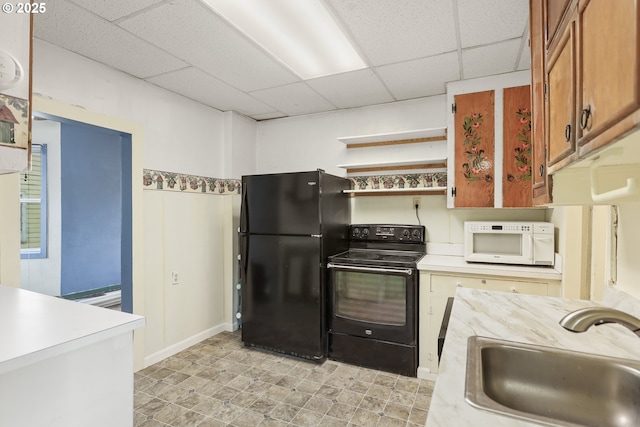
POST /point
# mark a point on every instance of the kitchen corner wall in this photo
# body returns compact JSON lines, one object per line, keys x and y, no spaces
{"x":310,"y":142}
{"x":189,"y":230}
{"x":443,"y":225}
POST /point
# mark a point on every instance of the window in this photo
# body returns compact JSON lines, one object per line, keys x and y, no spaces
{"x":33,"y":206}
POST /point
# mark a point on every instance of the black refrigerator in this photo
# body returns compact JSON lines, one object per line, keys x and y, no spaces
{"x":289,"y":224}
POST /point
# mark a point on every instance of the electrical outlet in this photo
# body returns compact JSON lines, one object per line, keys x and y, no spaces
{"x":174,"y":278}
{"x":416,"y":203}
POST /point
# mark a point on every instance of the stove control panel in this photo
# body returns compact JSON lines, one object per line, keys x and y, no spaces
{"x":397,"y":233}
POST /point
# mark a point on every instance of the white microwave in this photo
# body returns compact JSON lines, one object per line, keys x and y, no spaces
{"x":509,"y":242}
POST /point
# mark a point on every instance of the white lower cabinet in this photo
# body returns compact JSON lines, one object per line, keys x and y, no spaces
{"x":436,"y":288}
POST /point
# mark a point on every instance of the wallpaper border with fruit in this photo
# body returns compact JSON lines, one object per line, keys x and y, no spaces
{"x":186,"y":183}
{"x":398,"y":181}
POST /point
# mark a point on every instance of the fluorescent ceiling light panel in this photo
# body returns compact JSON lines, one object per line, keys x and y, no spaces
{"x":301,"y":34}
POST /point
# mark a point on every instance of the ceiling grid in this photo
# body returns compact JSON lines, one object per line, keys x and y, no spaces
{"x":411,"y":49}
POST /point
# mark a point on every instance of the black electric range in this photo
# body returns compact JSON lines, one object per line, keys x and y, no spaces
{"x":374,"y":298}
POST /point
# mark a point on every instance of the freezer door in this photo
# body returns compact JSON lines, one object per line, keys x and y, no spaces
{"x":283,"y":296}
{"x":281,"y":204}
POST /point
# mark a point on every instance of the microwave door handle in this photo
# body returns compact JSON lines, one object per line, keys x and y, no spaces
{"x":530,"y":246}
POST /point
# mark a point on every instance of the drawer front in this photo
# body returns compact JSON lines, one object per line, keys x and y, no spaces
{"x":446,"y":285}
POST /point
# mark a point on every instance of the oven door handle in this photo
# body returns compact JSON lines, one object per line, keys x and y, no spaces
{"x":406,"y":271}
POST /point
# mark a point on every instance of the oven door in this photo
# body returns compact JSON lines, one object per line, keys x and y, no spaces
{"x":374,"y":302}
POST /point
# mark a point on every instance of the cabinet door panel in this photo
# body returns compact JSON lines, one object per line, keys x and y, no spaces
{"x":516,"y":176}
{"x":541,"y":193}
{"x":561,"y":101}
{"x":610,"y":70}
{"x":474,"y":149}
{"x":555,"y":10}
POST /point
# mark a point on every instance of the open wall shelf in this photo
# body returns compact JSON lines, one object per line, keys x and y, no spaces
{"x":393,"y":138}
{"x":398,"y":191}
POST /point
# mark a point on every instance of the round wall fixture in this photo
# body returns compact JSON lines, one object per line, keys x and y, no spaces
{"x":10,"y":71}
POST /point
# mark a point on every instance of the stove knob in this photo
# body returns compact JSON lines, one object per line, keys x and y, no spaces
{"x":365,"y":232}
{"x":356,"y":232}
{"x":405,"y":234}
{"x":416,"y":234}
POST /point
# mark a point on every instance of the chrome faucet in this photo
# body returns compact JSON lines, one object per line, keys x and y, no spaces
{"x":582,"y":319}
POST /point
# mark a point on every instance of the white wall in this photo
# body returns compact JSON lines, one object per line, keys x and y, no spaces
{"x":571,"y":224}
{"x":629,"y":249}
{"x":310,"y":142}
{"x":240,"y":145}
{"x":180,"y":232}
{"x":183,"y":233}
{"x":443,"y":225}
{"x":180,"y":135}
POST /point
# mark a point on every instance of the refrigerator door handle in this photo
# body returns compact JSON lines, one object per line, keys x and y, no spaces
{"x":318,"y":236}
{"x":406,"y":271}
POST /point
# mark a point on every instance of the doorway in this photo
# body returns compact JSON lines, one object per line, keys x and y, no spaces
{"x":86,"y":249}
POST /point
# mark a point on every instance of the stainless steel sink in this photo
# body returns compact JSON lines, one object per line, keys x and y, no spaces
{"x":551,"y":386}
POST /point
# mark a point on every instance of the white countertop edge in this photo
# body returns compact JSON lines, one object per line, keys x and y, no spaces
{"x":38,"y":326}
{"x":66,"y":347}
{"x":457,"y":264}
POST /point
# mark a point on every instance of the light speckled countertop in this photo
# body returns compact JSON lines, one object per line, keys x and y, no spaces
{"x":514,"y":317}
{"x":457,"y":264}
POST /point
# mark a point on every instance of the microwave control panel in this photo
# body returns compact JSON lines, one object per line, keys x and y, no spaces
{"x":509,"y":227}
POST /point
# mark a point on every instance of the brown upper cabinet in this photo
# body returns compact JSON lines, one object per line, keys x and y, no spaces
{"x":491,"y":168}
{"x":586,"y":81}
{"x":540,"y":180}
{"x":609,"y":85}
{"x":555,"y":11}
{"x":474,"y":149}
{"x":561,"y":99}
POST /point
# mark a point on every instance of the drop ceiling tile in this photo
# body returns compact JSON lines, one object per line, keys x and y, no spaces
{"x":353,"y":89}
{"x":201,"y":87}
{"x":489,"y":60}
{"x":294,"y":99}
{"x":422,"y":77}
{"x":73,"y":28}
{"x":193,"y":32}
{"x":115,"y":9}
{"x":489,"y":21}
{"x":399,"y":30}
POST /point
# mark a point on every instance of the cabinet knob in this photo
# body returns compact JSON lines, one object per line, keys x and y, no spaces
{"x":567,"y":133}
{"x":458,"y":284}
{"x":483,"y":281}
{"x":584,"y":117}
{"x":514,"y":290}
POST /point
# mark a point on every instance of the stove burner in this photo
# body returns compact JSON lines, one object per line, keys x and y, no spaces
{"x":378,"y":257}
{"x":384,"y":245}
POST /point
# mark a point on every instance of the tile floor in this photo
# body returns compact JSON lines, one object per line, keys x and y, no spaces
{"x":219,"y":382}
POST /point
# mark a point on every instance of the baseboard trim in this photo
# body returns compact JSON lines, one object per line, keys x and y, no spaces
{"x":184,"y":344}
{"x":425,"y":374}
{"x":231,"y":327}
